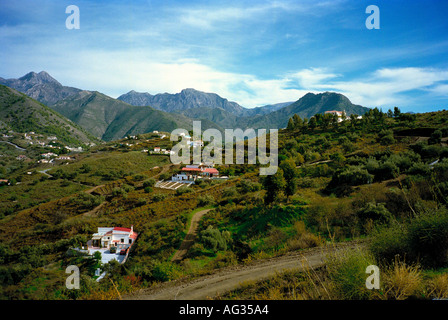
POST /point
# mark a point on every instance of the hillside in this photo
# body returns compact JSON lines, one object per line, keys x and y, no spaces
{"x":369,"y":179}
{"x":22,"y":114}
{"x":41,"y":87}
{"x":306,"y":107}
{"x":111,"y":119}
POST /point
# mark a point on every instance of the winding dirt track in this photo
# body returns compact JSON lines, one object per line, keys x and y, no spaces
{"x":230,"y":278}
{"x":189,"y":238}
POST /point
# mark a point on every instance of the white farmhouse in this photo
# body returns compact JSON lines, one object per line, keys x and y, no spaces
{"x":107,"y":237}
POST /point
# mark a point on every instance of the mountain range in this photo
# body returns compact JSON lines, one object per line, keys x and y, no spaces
{"x":41,"y":87}
{"x":134,"y":112}
{"x":112,"y":119}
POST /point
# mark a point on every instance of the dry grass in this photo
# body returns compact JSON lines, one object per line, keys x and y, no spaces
{"x":439,"y":287}
{"x":401,"y":281}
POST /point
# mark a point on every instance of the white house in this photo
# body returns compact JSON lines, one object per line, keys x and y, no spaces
{"x":193,"y":172}
{"x":107,"y":237}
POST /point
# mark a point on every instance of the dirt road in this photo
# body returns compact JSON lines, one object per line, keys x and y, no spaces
{"x":191,"y":235}
{"x":230,"y":278}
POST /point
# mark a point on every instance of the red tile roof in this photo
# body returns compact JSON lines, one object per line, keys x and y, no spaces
{"x":211,"y":170}
{"x":191,"y":169}
{"x":122,"y":229}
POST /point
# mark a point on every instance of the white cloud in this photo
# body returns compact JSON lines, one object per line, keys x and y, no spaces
{"x":384,"y":87}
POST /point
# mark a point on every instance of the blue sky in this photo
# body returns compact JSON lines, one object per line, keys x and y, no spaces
{"x":251,"y":52}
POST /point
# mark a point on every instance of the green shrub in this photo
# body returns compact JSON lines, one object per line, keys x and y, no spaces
{"x":419,"y":168}
{"x":374,"y":212}
{"x":183,"y":190}
{"x":86,"y":201}
{"x":428,"y":238}
{"x":215,"y":240}
{"x":347,"y":271}
{"x":148,"y":189}
{"x":149,"y":183}
{"x":388,"y":242}
{"x":159,"y":197}
{"x":206,"y":200}
{"x":246,"y":186}
{"x":166,"y":271}
{"x":423,"y":239}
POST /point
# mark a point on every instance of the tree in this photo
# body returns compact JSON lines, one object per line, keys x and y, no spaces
{"x":290,"y":124}
{"x":274,"y":185}
{"x":397,"y":112}
{"x":327,"y":119}
{"x":312,"y":124}
{"x":290,"y":175}
{"x":298,"y":122}
{"x":305,"y":124}
{"x":436,"y":137}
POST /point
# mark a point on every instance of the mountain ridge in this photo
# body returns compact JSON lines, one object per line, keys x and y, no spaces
{"x":41,"y":87}
{"x":111,"y":119}
{"x":136,"y":112}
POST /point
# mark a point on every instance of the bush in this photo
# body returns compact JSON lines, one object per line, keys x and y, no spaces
{"x":419,"y":168}
{"x":229,"y":192}
{"x":374,"y":213}
{"x":344,"y":179}
{"x":215,"y":240}
{"x":166,"y":271}
{"x":246,"y":186}
{"x":183,"y":190}
{"x":149,"y":183}
{"x":138,"y":177}
{"x":386,"y":170}
{"x":428,"y":238}
{"x":148,"y":189}
{"x":158,"y":197}
{"x":388,"y":242}
{"x":206,"y":200}
{"x":86,"y":201}
{"x":347,"y":271}
{"x":423,"y":239}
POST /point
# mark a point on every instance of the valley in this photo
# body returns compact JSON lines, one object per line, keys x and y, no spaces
{"x":374,"y":183}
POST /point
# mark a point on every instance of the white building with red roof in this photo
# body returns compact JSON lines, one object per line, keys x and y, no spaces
{"x":193,"y":172}
{"x":107,"y":237}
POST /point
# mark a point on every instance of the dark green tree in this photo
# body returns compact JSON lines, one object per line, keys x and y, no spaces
{"x":274,"y":185}
{"x":312,"y":124}
{"x":290,"y":124}
{"x":290,"y":175}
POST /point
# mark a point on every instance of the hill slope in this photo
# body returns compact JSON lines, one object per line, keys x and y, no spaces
{"x":20,"y":113}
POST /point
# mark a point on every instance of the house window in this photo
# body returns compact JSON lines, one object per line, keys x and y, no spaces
{"x":122,"y":240}
{"x":130,"y":241}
